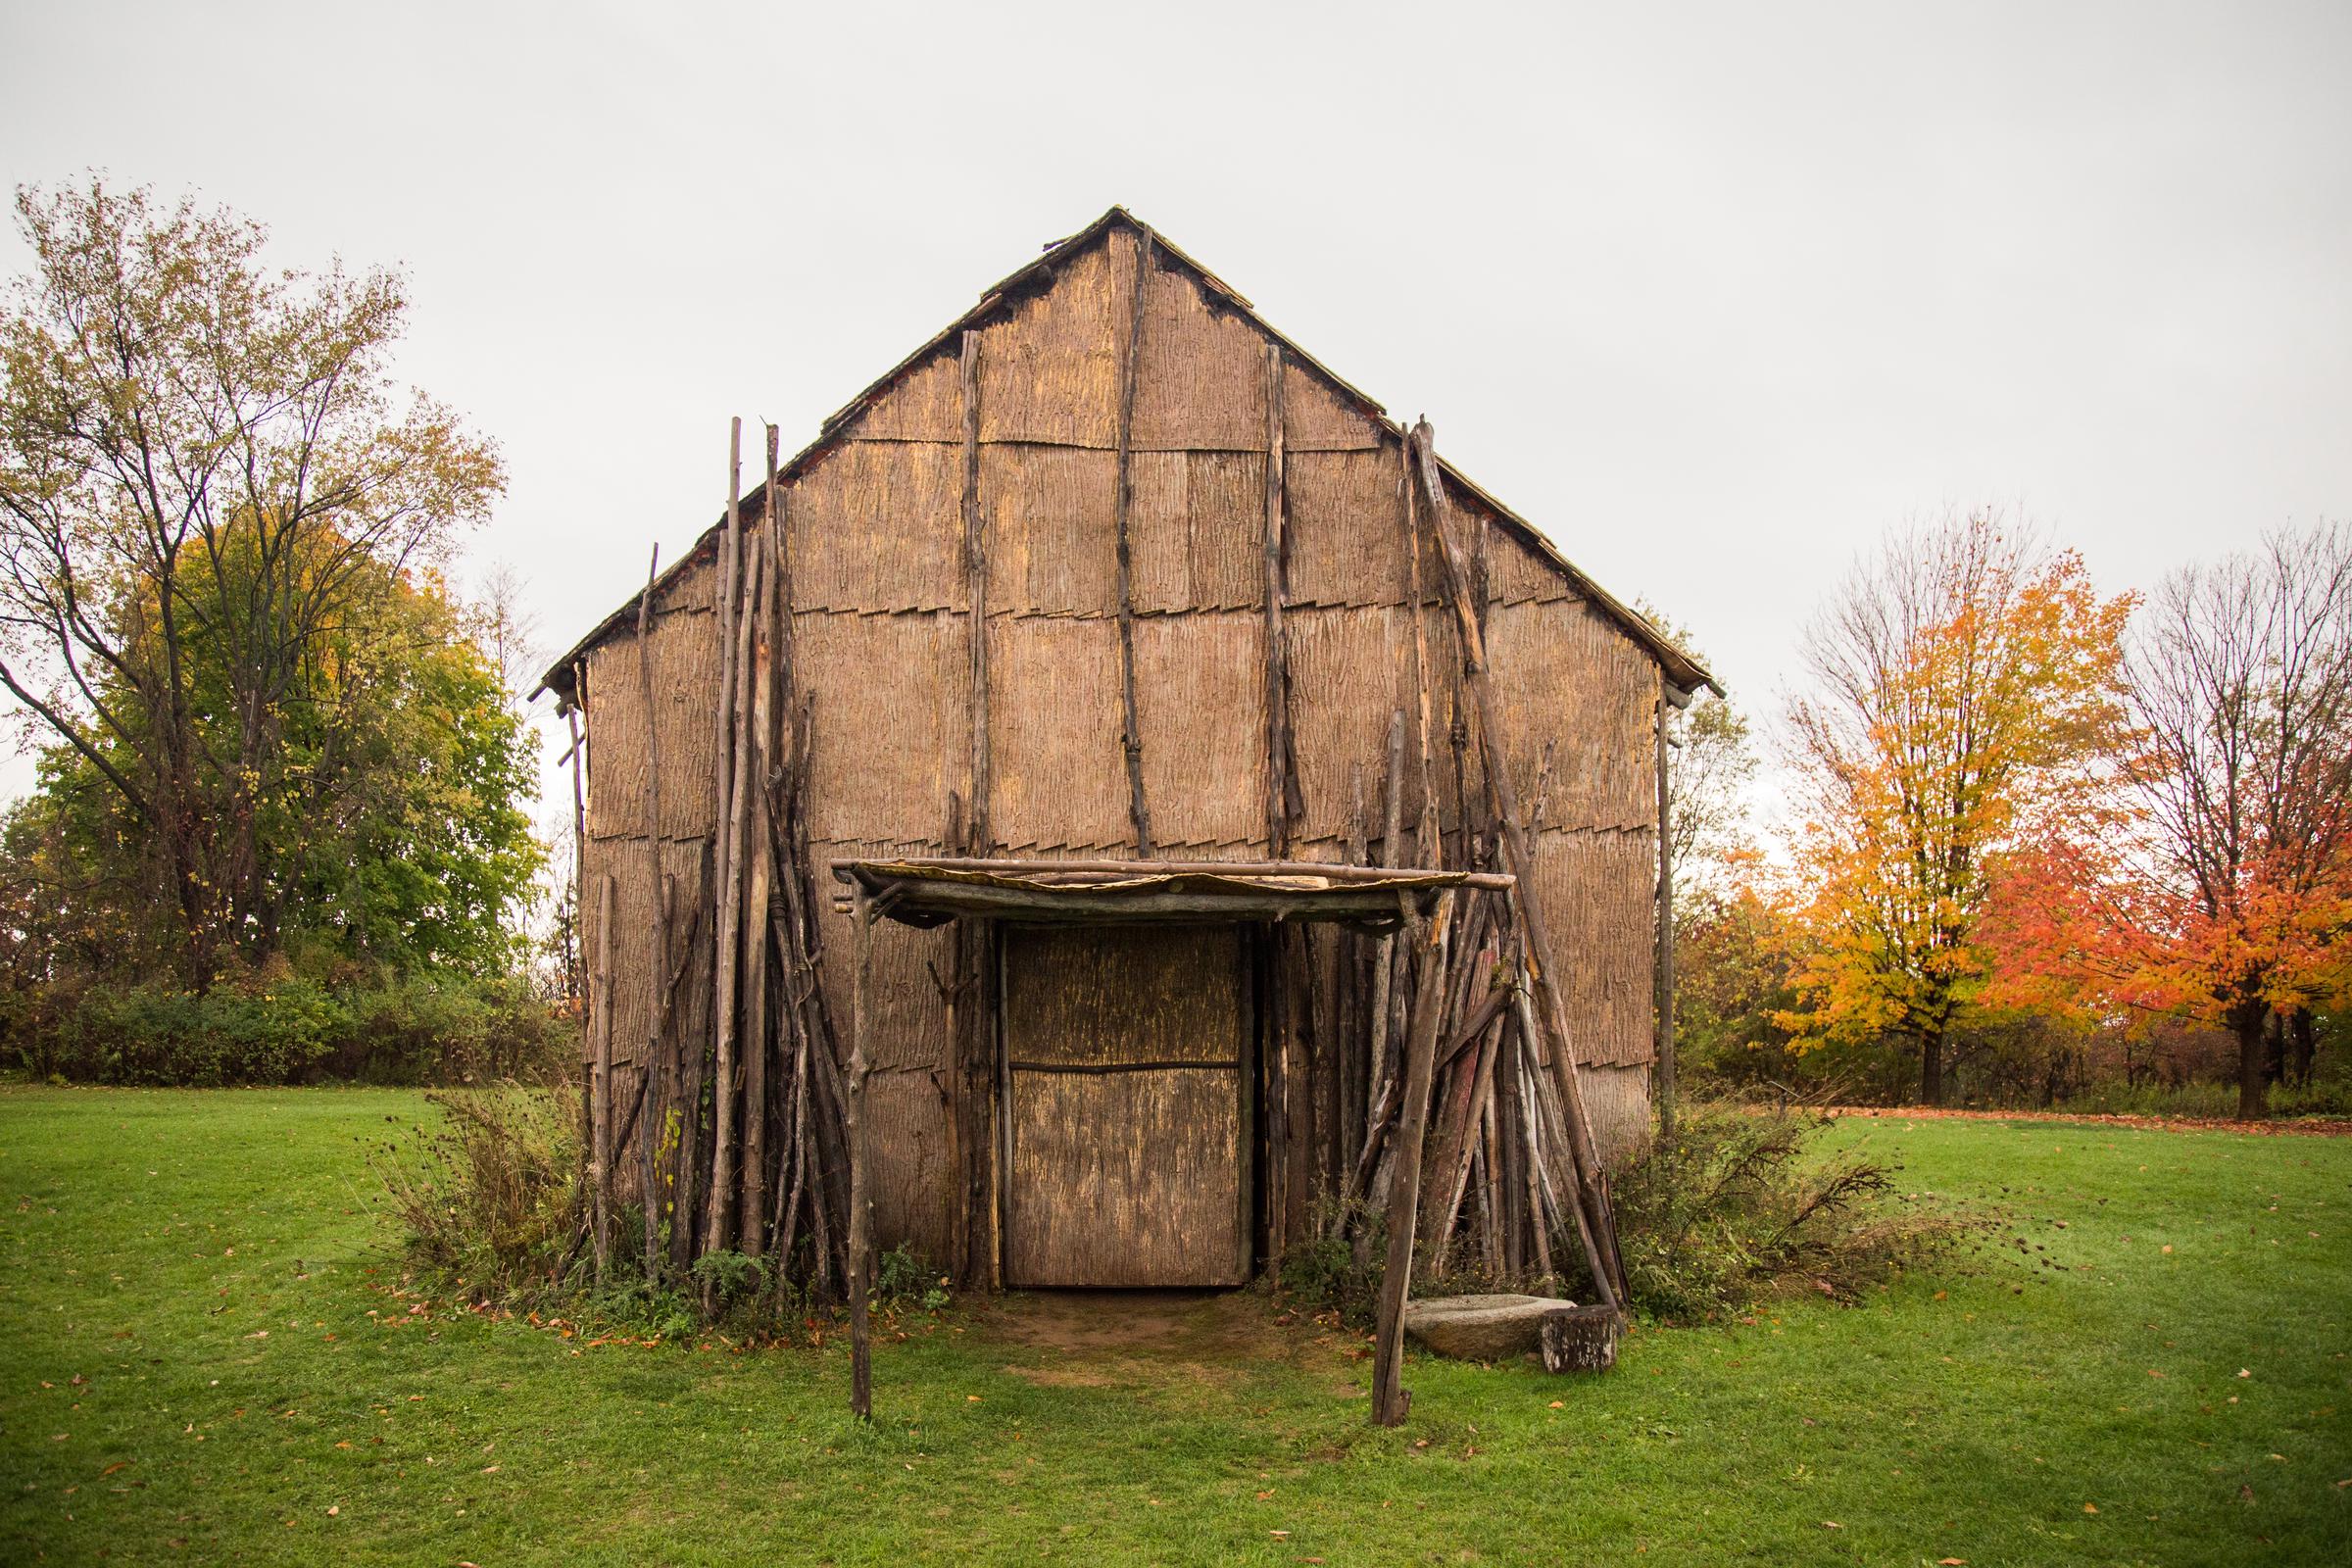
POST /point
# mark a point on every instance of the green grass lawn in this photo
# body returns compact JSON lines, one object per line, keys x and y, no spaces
{"x":202,"y":1360}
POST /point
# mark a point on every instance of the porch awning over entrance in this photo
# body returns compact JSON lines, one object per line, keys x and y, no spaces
{"x":925,"y":892}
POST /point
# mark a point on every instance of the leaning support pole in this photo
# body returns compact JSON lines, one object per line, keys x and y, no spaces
{"x":1502,"y":795}
{"x":1390,"y":1401}
{"x":853,"y":1110}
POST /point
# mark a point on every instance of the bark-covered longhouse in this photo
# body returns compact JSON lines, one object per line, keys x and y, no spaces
{"x":1204,"y":633}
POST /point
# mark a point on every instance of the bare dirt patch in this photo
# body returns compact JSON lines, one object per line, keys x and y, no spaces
{"x":2300,"y":1126}
{"x":1130,"y":1337}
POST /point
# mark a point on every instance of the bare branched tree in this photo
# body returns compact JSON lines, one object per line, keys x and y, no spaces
{"x":2240,"y":680}
{"x":197,"y":449}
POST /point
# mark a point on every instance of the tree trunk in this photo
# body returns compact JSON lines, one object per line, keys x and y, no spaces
{"x":2253,"y":1082}
{"x":1931,"y":1067}
{"x":2302,"y":1045}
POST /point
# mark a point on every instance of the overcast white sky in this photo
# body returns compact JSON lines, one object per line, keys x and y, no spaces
{"x":1712,"y":293}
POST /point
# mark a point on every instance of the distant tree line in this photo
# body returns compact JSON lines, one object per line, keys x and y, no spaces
{"x":2068,"y":842}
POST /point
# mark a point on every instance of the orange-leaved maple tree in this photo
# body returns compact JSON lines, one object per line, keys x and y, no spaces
{"x":1965,"y":686}
{"x":2216,"y":881}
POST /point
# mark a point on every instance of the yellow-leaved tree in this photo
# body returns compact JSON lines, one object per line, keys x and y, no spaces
{"x":1965,"y":684}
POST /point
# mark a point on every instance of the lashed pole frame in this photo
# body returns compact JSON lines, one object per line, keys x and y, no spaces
{"x":1593,"y":1192}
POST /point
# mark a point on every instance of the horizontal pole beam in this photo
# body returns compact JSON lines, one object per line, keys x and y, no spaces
{"x":1489,"y":881}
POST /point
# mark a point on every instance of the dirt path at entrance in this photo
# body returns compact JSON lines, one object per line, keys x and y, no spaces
{"x":2307,"y":1127}
{"x":1128,"y":1338}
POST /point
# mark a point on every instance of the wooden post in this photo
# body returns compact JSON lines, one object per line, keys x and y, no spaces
{"x":1139,"y":809}
{"x":579,"y":914}
{"x":658,"y":1012}
{"x":1665,"y":956}
{"x":762,"y":850}
{"x":604,"y":1076}
{"x":1428,"y":848}
{"x":1502,"y":795}
{"x":1384,"y":948}
{"x":692,"y":1186}
{"x":861,"y":1369}
{"x":725,"y":1069}
{"x":1390,"y":1401}
{"x":974,"y":982}
{"x":1282,"y":1006}
{"x":975,"y":583}
{"x":1279,"y":787}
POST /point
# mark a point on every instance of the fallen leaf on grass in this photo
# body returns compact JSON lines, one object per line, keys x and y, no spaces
{"x":2091,"y":1507}
{"x":1831,"y":1524}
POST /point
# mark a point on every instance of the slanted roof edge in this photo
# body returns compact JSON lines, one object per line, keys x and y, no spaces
{"x":1680,"y":669}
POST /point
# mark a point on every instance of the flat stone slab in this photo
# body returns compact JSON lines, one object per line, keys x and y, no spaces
{"x":1482,"y":1328}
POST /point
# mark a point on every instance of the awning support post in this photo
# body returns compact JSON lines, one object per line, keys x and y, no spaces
{"x":861,"y":1243}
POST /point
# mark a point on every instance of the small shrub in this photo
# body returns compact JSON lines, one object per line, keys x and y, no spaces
{"x":904,"y":1278}
{"x":1338,"y":1268}
{"x":1738,"y":1204}
{"x":490,"y":1196}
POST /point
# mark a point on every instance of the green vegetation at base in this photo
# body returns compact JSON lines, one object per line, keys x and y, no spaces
{"x":206,"y":1355}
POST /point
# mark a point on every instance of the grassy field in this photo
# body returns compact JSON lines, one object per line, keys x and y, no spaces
{"x":203,"y":1359}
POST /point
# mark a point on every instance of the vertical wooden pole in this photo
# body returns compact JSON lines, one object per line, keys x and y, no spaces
{"x":1139,"y":809}
{"x":861,"y":1369}
{"x":1390,"y":1401}
{"x":975,"y":988}
{"x":579,"y":915}
{"x":1279,"y":787}
{"x":604,"y":1076}
{"x":649,"y":1120}
{"x":975,"y":583}
{"x":693,"y":1186}
{"x":762,"y":851}
{"x":1384,"y":948}
{"x":1665,"y":954}
{"x":1426,"y":849}
{"x":1285,"y":1144}
{"x":726,"y":1069}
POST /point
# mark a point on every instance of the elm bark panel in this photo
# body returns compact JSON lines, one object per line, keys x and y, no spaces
{"x":877,"y":527}
{"x":1125,"y":1048}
